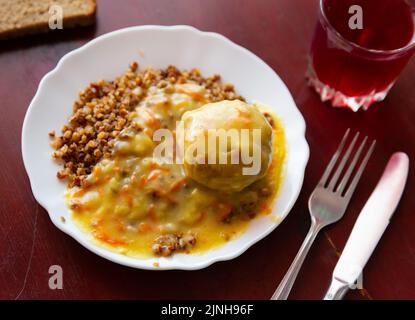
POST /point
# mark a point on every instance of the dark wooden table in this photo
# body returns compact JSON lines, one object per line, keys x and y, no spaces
{"x":277,"y":31}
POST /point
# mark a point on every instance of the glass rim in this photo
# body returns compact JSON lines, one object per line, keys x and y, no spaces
{"x":354,"y":45}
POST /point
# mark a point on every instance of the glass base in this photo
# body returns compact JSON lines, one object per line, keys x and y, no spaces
{"x":338,"y":99}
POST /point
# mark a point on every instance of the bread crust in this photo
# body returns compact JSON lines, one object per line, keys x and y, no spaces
{"x":87,"y":17}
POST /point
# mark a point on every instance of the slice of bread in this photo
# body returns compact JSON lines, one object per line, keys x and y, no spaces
{"x":22,"y":17}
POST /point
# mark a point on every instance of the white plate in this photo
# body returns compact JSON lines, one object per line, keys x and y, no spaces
{"x":185,"y":47}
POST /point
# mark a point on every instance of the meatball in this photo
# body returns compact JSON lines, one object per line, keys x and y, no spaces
{"x":227,"y":145}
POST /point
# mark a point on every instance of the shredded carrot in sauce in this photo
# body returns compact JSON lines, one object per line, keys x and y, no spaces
{"x":100,"y":235}
{"x":176,"y":185}
{"x":163,"y":194}
{"x":224,"y":211}
{"x":152,"y":213}
{"x":144,"y":227}
{"x":153,"y":175}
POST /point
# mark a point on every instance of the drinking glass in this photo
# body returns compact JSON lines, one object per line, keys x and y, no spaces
{"x":359,"y":48}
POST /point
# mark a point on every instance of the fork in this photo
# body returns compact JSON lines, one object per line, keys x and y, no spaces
{"x":327,"y":203}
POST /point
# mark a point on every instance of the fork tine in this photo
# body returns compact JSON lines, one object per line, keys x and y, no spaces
{"x":356,"y":178}
{"x":346,"y":156}
{"x":349,"y":171}
{"x":333,"y":160}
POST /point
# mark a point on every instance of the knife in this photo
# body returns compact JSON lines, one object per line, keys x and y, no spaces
{"x":369,"y":226}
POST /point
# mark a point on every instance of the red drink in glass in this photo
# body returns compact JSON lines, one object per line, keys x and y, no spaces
{"x":354,"y":67}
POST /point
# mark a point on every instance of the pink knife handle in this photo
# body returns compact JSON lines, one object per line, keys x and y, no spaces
{"x":373,"y":219}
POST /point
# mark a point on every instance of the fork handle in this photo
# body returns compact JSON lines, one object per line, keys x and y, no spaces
{"x":287,"y":282}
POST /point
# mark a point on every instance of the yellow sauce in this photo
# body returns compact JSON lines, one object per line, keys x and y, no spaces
{"x":130,"y":199}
